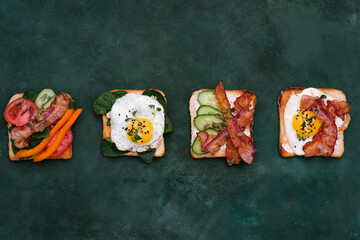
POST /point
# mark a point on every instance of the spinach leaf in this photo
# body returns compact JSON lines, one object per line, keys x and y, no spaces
{"x":148,"y":155}
{"x":30,"y":95}
{"x":168,"y":125}
{"x":109,"y":148}
{"x":104,"y":102}
{"x":11,"y":128}
{"x":108,"y":122}
{"x":72,"y":104}
{"x":41,"y":135}
{"x":14,"y":149}
{"x":119,"y":94}
{"x":159,"y":97}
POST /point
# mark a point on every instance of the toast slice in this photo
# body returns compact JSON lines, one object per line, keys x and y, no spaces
{"x":194,"y":105}
{"x":66,"y":155}
{"x":160,"y":150}
{"x":284,"y":146}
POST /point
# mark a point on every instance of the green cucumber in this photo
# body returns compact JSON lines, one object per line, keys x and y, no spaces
{"x":48,"y":103}
{"x":208,"y":98}
{"x":202,"y":121}
{"x":196,"y":146}
{"x":205,"y":109}
{"x":44,"y":96}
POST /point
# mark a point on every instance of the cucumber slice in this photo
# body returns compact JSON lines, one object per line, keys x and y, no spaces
{"x":48,"y":103}
{"x":206,"y":120}
{"x":208,"y":98}
{"x":44,"y":96}
{"x":205,"y":109}
{"x":196,"y":147}
{"x":213,"y":133}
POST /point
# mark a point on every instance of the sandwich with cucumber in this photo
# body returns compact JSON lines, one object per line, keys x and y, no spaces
{"x":221,"y":124}
{"x":39,"y":125}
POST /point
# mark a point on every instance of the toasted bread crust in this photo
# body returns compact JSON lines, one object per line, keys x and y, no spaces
{"x":66,"y":155}
{"x":193,"y":108}
{"x":284,"y":98}
{"x":160,"y":151}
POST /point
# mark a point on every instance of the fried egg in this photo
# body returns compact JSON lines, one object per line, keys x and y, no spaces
{"x":137,"y":122}
{"x":301,"y":125}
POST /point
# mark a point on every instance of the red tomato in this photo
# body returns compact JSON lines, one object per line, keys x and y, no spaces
{"x":65,"y":144}
{"x":20,"y":111}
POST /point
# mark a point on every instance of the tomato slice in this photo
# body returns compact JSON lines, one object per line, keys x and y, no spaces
{"x":65,"y":144}
{"x":20,"y":111}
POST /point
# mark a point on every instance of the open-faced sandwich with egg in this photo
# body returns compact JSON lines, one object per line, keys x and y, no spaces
{"x":221,"y":124}
{"x":39,"y":125}
{"x":312,"y":122}
{"x":134,"y":122}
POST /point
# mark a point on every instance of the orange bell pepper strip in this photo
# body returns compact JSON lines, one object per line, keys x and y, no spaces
{"x":52,"y":148}
{"x":45,"y":141}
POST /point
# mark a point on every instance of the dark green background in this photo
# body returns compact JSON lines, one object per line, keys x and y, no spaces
{"x":88,"y":47}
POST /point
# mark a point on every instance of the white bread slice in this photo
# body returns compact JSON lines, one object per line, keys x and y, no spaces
{"x":66,"y":155}
{"x":160,"y":151}
{"x":194,"y":105}
{"x":284,"y":146}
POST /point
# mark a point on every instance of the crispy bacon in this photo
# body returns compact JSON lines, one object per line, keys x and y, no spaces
{"x":340,"y":108}
{"x":244,"y":117}
{"x":324,"y":141}
{"x":204,"y":139}
{"x":240,"y":143}
{"x":244,"y":101}
{"x":232,"y":156}
{"x":58,"y":107}
{"x":214,"y":145}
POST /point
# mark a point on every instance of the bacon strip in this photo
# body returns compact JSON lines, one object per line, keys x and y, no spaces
{"x":232,"y":156}
{"x":204,"y":139}
{"x":324,"y":141}
{"x":214,"y":145}
{"x":340,"y":108}
{"x":244,"y":117}
{"x":244,"y":101}
{"x":240,"y":143}
{"x":21,"y":135}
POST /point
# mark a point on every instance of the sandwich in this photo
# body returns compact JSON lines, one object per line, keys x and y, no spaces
{"x":134,"y":122}
{"x":221,"y":124}
{"x":312,"y":122}
{"x":39,"y":125}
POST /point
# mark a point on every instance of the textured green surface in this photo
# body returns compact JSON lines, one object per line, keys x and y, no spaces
{"x":88,"y":47}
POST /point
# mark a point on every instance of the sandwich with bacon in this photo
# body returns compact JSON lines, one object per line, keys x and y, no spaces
{"x":221,"y":124}
{"x":312,"y":122}
{"x":39,"y":125}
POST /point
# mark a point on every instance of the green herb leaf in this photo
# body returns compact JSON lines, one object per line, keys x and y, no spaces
{"x":108,"y":122}
{"x":109,"y":148}
{"x":104,"y":102}
{"x":127,"y":119}
{"x":152,"y":106}
{"x":41,"y":135}
{"x":119,"y":94}
{"x":13,"y":148}
{"x":148,"y":155}
{"x":137,"y":137}
{"x":303,"y":124}
{"x":31,"y":125}
{"x":11,"y":128}
{"x":159,"y":97}
{"x":134,"y":113}
{"x":168,"y":125}
{"x":323,"y":96}
{"x":30,"y":95}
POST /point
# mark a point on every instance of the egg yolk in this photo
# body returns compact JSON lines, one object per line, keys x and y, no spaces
{"x":306,"y":124}
{"x":139,"y":131}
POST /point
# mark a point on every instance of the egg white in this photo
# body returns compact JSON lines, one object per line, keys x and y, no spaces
{"x":291,"y":109}
{"x":123,"y":109}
